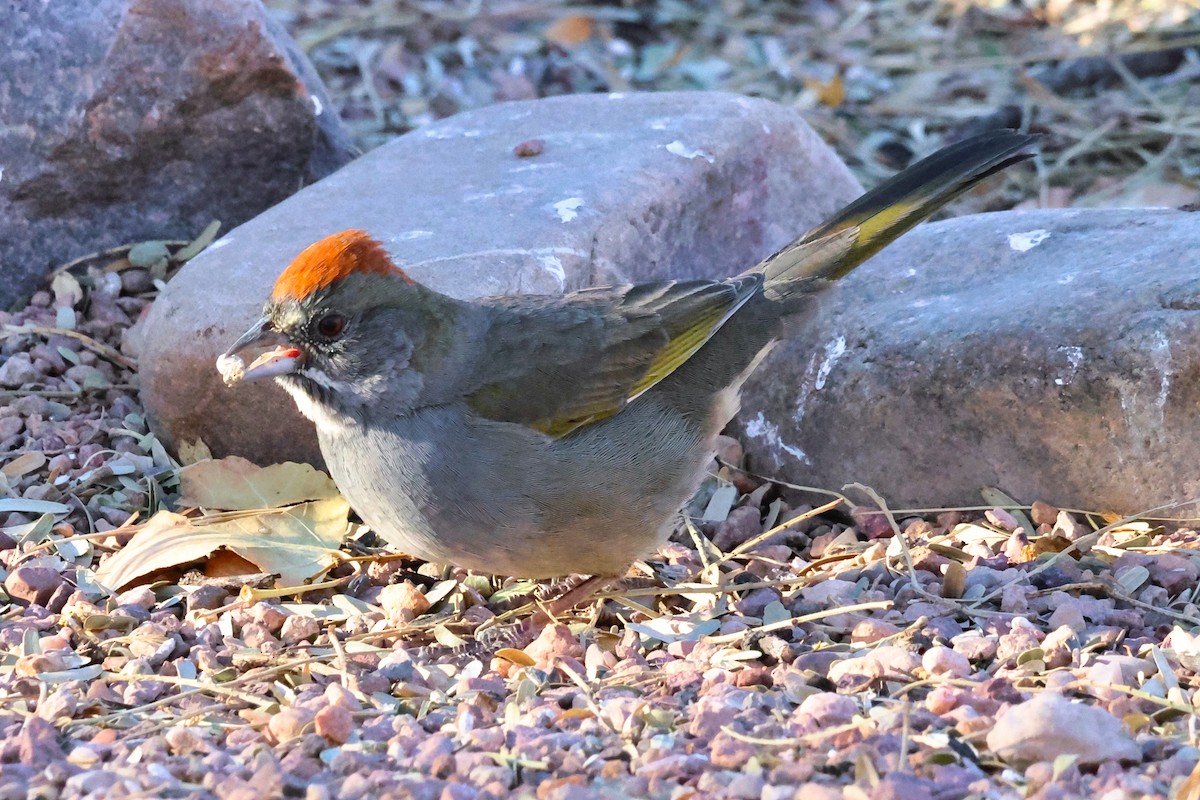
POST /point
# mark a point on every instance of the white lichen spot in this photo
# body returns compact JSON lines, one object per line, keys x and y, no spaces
{"x":1,"y":173}
{"x":616,"y":95}
{"x":1145,"y":416}
{"x":820,"y":364}
{"x":1074,"y":361}
{"x":1027,"y":240}
{"x":568,"y":209}
{"x":833,"y":351}
{"x":760,"y":428}
{"x":408,"y":236}
{"x":219,"y":243}
{"x":1065,"y":279}
{"x":318,"y":108}
{"x":1160,"y":357}
{"x":507,"y":191}
{"x":678,"y":148}
{"x":658,"y":125}
{"x":551,"y":264}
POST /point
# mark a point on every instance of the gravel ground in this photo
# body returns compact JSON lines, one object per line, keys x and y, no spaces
{"x":827,"y":655}
{"x":770,"y":653}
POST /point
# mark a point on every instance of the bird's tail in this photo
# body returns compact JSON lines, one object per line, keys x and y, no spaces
{"x":874,"y":220}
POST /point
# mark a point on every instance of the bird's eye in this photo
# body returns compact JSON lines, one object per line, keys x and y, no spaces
{"x":331,"y":325}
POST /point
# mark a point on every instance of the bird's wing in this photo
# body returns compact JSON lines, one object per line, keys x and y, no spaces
{"x":556,"y":364}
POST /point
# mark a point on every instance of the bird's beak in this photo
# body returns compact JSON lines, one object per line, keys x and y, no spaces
{"x":282,"y":358}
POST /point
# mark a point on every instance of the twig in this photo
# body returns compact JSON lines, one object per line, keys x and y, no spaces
{"x":63,"y":394}
{"x":800,"y":620}
{"x":119,"y":250}
{"x":99,"y":348}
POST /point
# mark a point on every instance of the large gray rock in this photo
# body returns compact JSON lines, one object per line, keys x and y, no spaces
{"x":1050,"y":353}
{"x":625,"y":188}
{"x":123,"y":120}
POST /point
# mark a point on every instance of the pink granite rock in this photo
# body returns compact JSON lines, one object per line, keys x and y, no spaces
{"x":123,"y":120}
{"x":627,"y":188}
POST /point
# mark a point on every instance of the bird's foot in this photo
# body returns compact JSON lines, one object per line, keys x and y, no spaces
{"x":519,"y":635}
{"x":516,"y":635}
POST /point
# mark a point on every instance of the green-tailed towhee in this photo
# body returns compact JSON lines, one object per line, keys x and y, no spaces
{"x":540,"y":436}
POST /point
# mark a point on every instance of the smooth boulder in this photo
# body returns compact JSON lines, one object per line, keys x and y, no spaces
{"x":1051,"y":353}
{"x":538,"y":196}
{"x":124,"y":120}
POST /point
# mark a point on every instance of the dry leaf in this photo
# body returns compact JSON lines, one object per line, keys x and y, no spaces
{"x":26,"y":506}
{"x":955,"y":581}
{"x":235,"y":484}
{"x":148,"y":254}
{"x":831,"y":93}
{"x":24,"y":464}
{"x":518,"y":657}
{"x":676,"y":629}
{"x":570,"y":30}
{"x":192,"y":453}
{"x":297,"y":544}
{"x":199,"y":243}
{"x":67,"y":291}
{"x":995,"y":497}
{"x":226,"y":564}
{"x":447,"y":638}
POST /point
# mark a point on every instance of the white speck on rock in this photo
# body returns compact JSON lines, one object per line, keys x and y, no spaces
{"x":533,"y":166}
{"x":1065,"y":279}
{"x":616,"y":95}
{"x":817,"y":373}
{"x":224,"y":240}
{"x":507,"y":191}
{"x":658,"y":125}
{"x":408,"y":236}
{"x":555,"y":267}
{"x":833,"y":351}
{"x":680,"y":149}
{"x":1074,"y":360}
{"x":760,"y":428}
{"x":540,"y":253}
{"x":1027,"y":240}
{"x":318,"y":109}
{"x":567,"y":210}
{"x":1146,"y":416}
{"x":1160,"y":357}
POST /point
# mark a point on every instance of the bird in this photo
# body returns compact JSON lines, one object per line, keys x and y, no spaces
{"x":542,"y":436}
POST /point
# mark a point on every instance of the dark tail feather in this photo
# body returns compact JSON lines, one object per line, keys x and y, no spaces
{"x":874,"y":220}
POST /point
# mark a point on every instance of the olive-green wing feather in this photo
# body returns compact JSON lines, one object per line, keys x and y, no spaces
{"x":556,"y":364}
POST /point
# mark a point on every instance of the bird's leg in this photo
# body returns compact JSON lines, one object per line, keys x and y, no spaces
{"x":579,"y":593}
{"x":522,"y":633}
